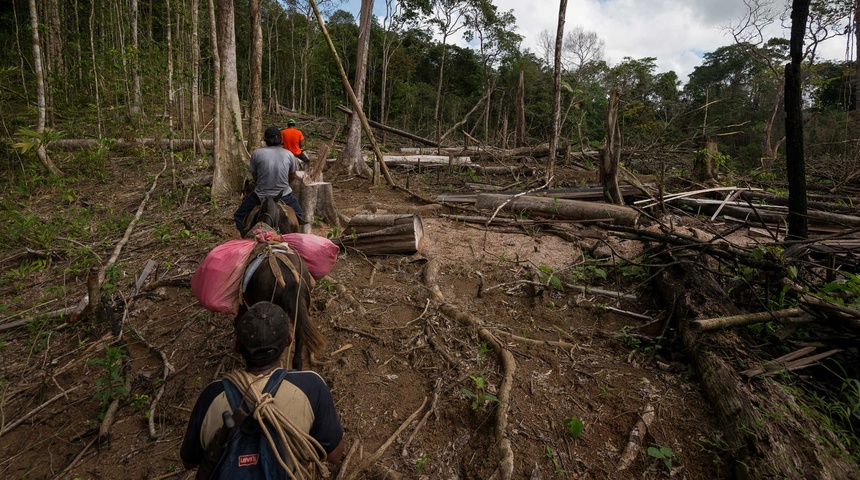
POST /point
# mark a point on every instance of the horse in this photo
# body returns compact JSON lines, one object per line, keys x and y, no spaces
{"x":279,"y":275}
{"x":274,"y":213}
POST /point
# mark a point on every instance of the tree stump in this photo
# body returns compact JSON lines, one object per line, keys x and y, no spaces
{"x":316,"y":199}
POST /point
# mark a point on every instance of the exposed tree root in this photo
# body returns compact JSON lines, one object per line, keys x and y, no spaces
{"x":509,"y":366}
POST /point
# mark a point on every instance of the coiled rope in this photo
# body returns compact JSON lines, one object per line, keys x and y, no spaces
{"x":304,"y":454}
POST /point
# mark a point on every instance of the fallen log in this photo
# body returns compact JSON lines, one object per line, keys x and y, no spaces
{"x":383,"y":234}
{"x":560,"y":208}
{"x":634,"y":440}
{"x":770,"y":433}
{"x":783,"y":202}
{"x":745,"y":319}
{"x":123,"y":143}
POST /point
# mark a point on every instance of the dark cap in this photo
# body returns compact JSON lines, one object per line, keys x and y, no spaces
{"x":262,"y":333}
{"x":272,"y":136}
{"x":291,"y":122}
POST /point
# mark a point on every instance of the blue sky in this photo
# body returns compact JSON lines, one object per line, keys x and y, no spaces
{"x":676,"y":32}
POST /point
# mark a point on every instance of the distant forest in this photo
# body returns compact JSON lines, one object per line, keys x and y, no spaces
{"x":109,"y":66}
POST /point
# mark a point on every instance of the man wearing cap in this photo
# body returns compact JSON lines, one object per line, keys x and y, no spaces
{"x":262,"y":335}
{"x":273,"y":168}
{"x":294,"y":141}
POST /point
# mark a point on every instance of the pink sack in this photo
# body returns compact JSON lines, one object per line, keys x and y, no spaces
{"x":319,"y":253}
{"x":215,"y":283}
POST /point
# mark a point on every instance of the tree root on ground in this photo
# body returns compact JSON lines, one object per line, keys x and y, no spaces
{"x":509,"y":365}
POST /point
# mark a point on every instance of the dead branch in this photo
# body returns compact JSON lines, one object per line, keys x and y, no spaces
{"x":634,"y":440}
{"x":103,"y":437}
{"x":369,"y":461}
{"x":745,"y":319}
{"x":431,"y":411}
{"x":7,"y":428}
{"x":119,"y":246}
{"x":533,"y":341}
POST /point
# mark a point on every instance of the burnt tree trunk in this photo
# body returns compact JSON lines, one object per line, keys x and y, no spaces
{"x":795,"y":163}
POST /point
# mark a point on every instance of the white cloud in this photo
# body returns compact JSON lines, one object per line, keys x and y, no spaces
{"x":675,"y":32}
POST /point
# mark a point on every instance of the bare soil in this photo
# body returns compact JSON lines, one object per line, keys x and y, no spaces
{"x":395,"y":349}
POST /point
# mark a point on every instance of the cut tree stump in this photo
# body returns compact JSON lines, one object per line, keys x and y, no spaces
{"x":383,"y":234}
{"x":316,"y":199}
{"x":569,"y":209}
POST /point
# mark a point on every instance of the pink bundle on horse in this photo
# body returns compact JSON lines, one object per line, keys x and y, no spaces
{"x":272,"y":271}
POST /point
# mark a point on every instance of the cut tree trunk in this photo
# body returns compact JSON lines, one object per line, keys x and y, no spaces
{"x":569,"y":209}
{"x":383,"y":234}
{"x":316,"y":199}
{"x":610,"y":154}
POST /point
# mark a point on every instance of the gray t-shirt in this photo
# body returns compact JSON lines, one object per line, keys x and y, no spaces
{"x":273,"y":166}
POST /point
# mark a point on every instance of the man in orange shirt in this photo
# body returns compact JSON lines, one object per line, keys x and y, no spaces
{"x":294,"y":141}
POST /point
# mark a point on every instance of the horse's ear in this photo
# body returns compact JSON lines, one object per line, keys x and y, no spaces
{"x":279,"y":196}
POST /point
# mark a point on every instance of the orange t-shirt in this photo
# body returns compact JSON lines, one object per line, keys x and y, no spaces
{"x":291,"y":138}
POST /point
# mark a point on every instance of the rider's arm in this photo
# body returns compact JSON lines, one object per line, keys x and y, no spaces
{"x":335,"y":455}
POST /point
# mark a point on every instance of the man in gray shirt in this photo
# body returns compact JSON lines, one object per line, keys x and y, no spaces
{"x":273,"y":167}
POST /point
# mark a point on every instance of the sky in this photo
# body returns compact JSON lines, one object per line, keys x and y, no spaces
{"x":676,"y":32}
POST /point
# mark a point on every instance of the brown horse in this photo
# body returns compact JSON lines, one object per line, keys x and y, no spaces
{"x":279,"y":275}
{"x":274,"y":213}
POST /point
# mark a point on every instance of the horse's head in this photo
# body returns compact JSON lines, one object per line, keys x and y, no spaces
{"x":273,"y":213}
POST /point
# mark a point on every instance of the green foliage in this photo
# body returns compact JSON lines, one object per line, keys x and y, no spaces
{"x":421,"y":463}
{"x":627,"y":339}
{"x":23,"y":271}
{"x":110,"y":385}
{"x":29,"y":139}
{"x":551,"y":278}
{"x":38,"y":337}
{"x":479,"y":396}
{"x":574,"y":427}
{"x":665,"y":454}
{"x":333,"y":232}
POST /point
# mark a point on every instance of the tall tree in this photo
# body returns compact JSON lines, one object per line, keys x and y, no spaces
{"x":350,"y":158}
{"x":796,"y":167}
{"x":136,"y":108}
{"x":255,"y":67}
{"x":449,"y":20}
{"x":41,"y":151}
{"x":556,"y":101}
{"x":229,"y":168}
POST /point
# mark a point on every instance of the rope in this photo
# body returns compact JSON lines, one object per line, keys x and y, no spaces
{"x":304,"y":454}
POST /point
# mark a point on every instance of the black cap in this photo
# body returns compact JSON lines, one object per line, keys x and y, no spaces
{"x":262,"y":333}
{"x":272,"y":136}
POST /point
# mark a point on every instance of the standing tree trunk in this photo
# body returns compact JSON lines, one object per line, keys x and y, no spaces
{"x":41,"y":151}
{"x":610,"y":154}
{"x":556,"y":101}
{"x":95,"y":72}
{"x":136,"y":108}
{"x":521,"y":113}
{"x":255,"y":91}
{"x":229,"y":171}
{"x":195,"y":76}
{"x":350,"y":159}
{"x":216,"y":84}
{"x":857,"y":65}
{"x":796,"y":168}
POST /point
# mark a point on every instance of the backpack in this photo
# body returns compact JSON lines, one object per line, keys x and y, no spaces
{"x":248,"y":454}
